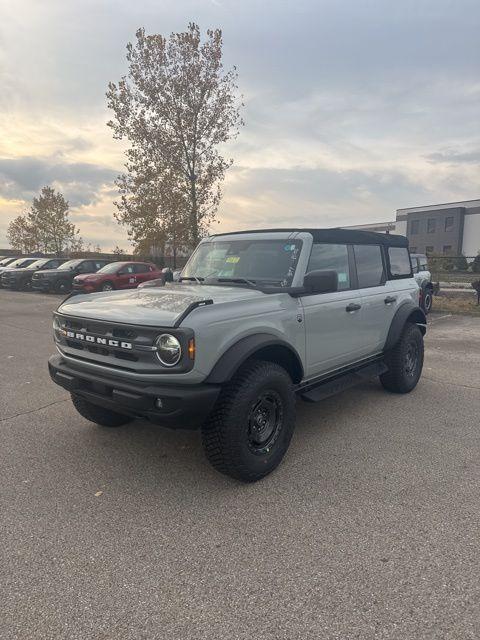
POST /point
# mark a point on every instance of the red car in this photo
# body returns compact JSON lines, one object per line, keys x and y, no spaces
{"x":116,"y":275}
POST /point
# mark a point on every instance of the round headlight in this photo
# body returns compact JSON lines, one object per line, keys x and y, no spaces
{"x":169,"y":350}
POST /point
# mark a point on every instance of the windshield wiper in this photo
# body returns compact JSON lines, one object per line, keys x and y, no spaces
{"x":192,"y":279}
{"x":251,"y":283}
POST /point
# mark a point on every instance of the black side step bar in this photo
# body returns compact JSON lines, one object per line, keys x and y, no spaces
{"x":340,"y":382}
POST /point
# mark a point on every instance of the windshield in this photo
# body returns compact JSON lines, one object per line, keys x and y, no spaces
{"x":19,"y":263}
{"x":71,"y":264}
{"x":253,"y":261}
{"x":113,"y":267}
{"x":37,"y":264}
{"x":6,"y":261}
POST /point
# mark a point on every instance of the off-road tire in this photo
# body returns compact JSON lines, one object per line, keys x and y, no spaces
{"x":227,"y":433}
{"x":402,"y":376}
{"x":427,"y":300}
{"x":99,"y":415}
{"x":108,"y":286}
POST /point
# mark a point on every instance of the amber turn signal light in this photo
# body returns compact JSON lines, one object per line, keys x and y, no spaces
{"x":191,"y":348}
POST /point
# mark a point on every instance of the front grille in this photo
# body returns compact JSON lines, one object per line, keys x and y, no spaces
{"x":141,"y":357}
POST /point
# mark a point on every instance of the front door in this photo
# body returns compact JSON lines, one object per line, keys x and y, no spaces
{"x":126,"y":278}
{"x":334,"y":324}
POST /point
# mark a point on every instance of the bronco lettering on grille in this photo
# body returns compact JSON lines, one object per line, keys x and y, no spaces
{"x":97,"y":340}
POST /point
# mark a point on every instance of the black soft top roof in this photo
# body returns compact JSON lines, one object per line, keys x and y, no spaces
{"x":337,"y":235}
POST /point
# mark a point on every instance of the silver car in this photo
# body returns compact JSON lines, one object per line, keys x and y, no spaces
{"x":257,"y":320}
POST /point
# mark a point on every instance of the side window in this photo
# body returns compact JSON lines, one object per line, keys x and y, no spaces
{"x":141,"y":268}
{"x":86,"y":267}
{"x":54,"y":264}
{"x":99,"y":265}
{"x":368,"y":259}
{"x":400,"y":262}
{"x":326,"y":257}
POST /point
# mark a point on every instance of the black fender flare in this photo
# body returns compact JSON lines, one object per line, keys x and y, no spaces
{"x":407,"y":312}
{"x":245,"y":348}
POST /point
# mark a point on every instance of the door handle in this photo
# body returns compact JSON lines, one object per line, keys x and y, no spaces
{"x":390,"y":299}
{"x":352,"y":307}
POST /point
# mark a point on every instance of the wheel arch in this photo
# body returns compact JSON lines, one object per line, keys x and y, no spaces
{"x":407,"y":313}
{"x":259,"y":346}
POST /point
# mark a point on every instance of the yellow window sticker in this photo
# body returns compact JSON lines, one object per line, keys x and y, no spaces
{"x":233,"y":259}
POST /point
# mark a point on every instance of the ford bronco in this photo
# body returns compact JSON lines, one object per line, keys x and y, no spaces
{"x":257,"y":318}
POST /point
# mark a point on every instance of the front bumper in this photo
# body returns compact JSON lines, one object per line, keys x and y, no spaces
{"x":184,"y":407}
{"x":83,"y":288}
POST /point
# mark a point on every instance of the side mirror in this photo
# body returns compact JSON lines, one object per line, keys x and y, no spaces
{"x":321,"y":281}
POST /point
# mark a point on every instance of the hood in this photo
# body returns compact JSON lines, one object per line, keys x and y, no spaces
{"x":20,"y":271}
{"x":54,"y":272}
{"x":91,"y":276}
{"x":150,"y":306}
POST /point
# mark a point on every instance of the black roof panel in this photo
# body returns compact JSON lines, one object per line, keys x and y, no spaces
{"x":332,"y":236}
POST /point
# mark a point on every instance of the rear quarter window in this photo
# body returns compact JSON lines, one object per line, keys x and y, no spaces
{"x":399,"y":261}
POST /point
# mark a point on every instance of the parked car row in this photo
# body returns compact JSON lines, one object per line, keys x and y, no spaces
{"x":60,"y":275}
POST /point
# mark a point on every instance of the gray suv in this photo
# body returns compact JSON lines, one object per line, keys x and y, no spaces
{"x":257,"y":319}
{"x":424,"y":280}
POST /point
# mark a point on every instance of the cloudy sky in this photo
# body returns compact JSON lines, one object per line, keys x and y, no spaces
{"x":353,"y":108}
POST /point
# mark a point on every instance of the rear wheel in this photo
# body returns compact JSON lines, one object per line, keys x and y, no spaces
{"x":427,"y":300}
{"x":99,"y":415}
{"x":404,"y":361}
{"x":251,"y":426}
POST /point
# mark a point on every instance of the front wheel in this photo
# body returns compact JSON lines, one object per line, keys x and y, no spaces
{"x":99,"y":415}
{"x":404,"y":361}
{"x":251,"y":426}
{"x":62,"y":286}
{"x":107,"y":286}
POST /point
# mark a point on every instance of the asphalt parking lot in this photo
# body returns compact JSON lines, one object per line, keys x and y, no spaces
{"x":369,"y":529}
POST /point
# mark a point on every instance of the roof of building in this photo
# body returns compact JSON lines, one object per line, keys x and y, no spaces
{"x":444,"y":205}
{"x":332,"y":236}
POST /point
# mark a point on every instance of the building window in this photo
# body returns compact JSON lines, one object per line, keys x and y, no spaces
{"x":449,"y":223}
{"x":447,"y":249}
{"x":414,"y":227}
{"x":431,"y":224}
{"x":429,"y":250}
{"x":413,"y":249}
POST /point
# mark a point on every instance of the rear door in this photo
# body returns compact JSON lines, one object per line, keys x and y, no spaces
{"x":334,"y":323}
{"x":381,"y":291}
{"x":142,"y":272}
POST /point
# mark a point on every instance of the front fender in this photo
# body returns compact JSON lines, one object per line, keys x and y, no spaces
{"x":244,"y":349}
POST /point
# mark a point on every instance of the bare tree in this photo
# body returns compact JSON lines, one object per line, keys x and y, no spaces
{"x":118,"y":252}
{"x":175,"y":107}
